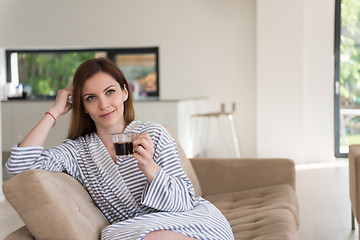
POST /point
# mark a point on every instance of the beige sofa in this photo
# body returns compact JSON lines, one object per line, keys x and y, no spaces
{"x":257,"y":196}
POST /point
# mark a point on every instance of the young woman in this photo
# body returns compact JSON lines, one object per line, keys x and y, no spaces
{"x":143,"y":196}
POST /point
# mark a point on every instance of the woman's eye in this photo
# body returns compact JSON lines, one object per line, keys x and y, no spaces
{"x":110,"y":91}
{"x":90,"y":98}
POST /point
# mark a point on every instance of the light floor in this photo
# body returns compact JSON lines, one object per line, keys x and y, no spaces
{"x":323,"y":194}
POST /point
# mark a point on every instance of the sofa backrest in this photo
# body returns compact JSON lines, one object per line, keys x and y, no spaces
{"x":186,"y":165}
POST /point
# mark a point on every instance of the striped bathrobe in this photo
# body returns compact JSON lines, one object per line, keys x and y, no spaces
{"x":132,"y":206}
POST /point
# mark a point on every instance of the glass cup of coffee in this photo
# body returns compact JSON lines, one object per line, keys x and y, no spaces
{"x":123,"y":143}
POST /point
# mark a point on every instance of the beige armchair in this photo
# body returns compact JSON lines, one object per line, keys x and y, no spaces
{"x":354,"y":183}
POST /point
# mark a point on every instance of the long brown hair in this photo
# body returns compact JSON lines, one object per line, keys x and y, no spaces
{"x":81,"y":123}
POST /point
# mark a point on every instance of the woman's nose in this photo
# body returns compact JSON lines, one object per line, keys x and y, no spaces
{"x":103,"y":103}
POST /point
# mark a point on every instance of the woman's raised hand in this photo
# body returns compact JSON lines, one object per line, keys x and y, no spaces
{"x":61,"y":105}
{"x":38,"y":135}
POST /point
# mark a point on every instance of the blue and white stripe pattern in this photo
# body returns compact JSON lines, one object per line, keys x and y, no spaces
{"x":132,"y":206}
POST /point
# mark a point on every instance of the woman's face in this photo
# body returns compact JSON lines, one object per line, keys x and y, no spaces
{"x":103,"y":100}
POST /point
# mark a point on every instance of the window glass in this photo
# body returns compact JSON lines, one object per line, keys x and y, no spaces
{"x":39,"y":74}
{"x":43,"y":74}
{"x":141,"y":72}
{"x":347,"y":76}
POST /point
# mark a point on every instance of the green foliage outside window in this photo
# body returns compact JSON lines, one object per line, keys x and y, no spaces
{"x":350,"y":54}
{"x":350,"y":67}
{"x":45,"y":73}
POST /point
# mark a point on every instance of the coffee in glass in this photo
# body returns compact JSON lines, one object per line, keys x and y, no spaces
{"x":123,"y":143}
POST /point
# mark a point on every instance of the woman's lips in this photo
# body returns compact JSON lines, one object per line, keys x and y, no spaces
{"x":107,"y":114}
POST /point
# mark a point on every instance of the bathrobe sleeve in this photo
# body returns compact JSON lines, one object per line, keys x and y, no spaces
{"x":170,"y":190}
{"x":57,"y":159}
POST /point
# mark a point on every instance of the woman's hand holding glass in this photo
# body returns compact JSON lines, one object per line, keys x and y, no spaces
{"x":143,"y":153}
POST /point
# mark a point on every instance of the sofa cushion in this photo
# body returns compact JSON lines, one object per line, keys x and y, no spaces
{"x":54,"y":204}
{"x":263,"y":213}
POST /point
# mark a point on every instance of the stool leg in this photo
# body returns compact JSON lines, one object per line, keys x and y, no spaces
{"x":205,"y":139}
{"x":192,"y":138}
{"x":223,"y":135}
{"x":234,"y":135}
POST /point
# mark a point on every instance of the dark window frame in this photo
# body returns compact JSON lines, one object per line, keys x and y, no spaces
{"x":337,"y":41}
{"x":111,"y":54}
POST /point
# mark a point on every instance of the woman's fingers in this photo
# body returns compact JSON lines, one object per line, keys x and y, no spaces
{"x":61,"y":105}
{"x":143,"y":153}
{"x":143,"y":141}
{"x":143,"y":148}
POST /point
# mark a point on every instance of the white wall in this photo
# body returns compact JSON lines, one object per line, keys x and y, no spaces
{"x":294,"y":79}
{"x":273,"y":58}
{"x":207,"y":48}
{"x":318,"y":99}
{"x":279,"y":78}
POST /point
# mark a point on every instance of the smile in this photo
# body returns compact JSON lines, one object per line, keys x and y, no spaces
{"x":107,"y":114}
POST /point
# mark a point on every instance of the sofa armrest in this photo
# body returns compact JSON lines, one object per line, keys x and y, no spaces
{"x":54,"y":205}
{"x":354,"y":178}
{"x":236,"y":174}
